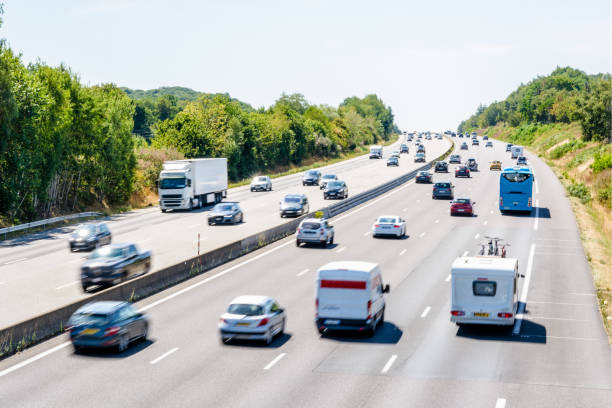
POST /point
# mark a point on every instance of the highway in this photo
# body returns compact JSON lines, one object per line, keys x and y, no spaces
{"x":557,"y":356}
{"x":38,"y":273}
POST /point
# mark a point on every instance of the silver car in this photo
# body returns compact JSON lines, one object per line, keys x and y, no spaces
{"x":315,"y":231}
{"x":261,"y":183}
{"x":252,"y":318}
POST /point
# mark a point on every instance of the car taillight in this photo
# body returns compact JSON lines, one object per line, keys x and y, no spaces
{"x":317,"y":307}
{"x":321,"y":231}
{"x":376,"y":225}
{"x":299,"y":230}
{"x":504,"y":315}
{"x":111,"y":331}
{"x":501,"y":201}
{"x":369,"y":309}
{"x":457,"y":312}
{"x":221,"y":320}
{"x":396,"y":226}
{"x":529,"y":202}
{"x":263,"y":322}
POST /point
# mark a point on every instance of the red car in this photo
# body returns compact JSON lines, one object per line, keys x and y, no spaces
{"x":462,"y":206}
{"x":462,"y":171}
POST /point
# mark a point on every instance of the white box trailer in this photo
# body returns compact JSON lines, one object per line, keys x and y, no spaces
{"x":376,"y":152}
{"x":484,"y":290}
{"x":192,"y":183}
{"x":516,"y":151}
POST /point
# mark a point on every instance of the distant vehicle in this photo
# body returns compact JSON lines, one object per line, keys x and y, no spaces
{"x":419,"y":157}
{"x":442,"y":189}
{"x":462,"y":206}
{"x":389,"y":225}
{"x":509,"y":147}
{"x":454,"y":134}
{"x":311,"y":178}
{"x":441,"y":167}
{"x":252,"y":318}
{"x":462,"y":171}
{"x":471,"y":164}
{"x":420,"y":149}
{"x":315,"y":231}
{"x":350,"y":296}
{"x":392,"y":161}
{"x":495,"y":165}
{"x":455,"y":158}
{"x":516,"y":189}
{"x":325,"y":179}
{"x":376,"y":152}
{"x":474,"y":134}
{"x":475,"y":142}
{"x":114,"y":264}
{"x":464,"y":146}
{"x":395,"y":153}
{"x":225,"y":213}
{"x":423,"y":177}
{"x":404,"y":148}
{"x":261,"y":183}
{"x":516,"y":151}
{"x":106,"y":324}
{"x":489,"y":144}
{"x":335,"y":189}
{"x":484,"y":290}
{"x":485,"y":138}
{"x":428,"y":137}
{"x":294,"y":205}
{"x":90,"y":236}
{"x":521,"y":161}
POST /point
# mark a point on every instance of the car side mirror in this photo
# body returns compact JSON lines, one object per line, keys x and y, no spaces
{"x":387,"y":288}
{"x":521,"y":275}
{"x":138,"y":315}
{"x":474,"y":203}
{"x":188,"y":182}
{"x":280,"y":310}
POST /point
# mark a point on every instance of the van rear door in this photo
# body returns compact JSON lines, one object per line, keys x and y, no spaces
{"x":343,"y":299}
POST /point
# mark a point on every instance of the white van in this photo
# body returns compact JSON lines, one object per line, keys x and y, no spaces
{"x":517,"y":151}
{"x":484,"y":290}
{"x":376,"y":152}
{"x":349,"y":296}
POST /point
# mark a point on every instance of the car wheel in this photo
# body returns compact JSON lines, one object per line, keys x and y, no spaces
{"x":145,"y":332}
{"x":252,"y":190}
{"x":297,"y":242}
{"x":269,"y":337}
{"x":147,"y":268}
{"x":124,"y":342}
{"x":190,"y":205}
{"x":241,"y":218}
{"x":163,"y":210}
{"x":85,"y":288}
{"x":321,"y":330}
{"x":123,"y":277}
{"x":331,"y":242}
{"x":324,"y":197}
{"x":381,"y":321}
{"x":282,"y":330}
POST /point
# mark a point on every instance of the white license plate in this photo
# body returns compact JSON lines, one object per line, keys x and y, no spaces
{"x":95,"y":280}
{"x":386,"y":227}
{"x":328,"y":321}
{"x":460,"y":210}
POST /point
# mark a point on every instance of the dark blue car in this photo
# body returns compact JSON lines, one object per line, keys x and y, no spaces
{"x":107,"y":324}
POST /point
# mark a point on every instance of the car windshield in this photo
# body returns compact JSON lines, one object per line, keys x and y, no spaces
{"x":442,"y":185}
{"x":262,"y":178}
{"x":106,"y":252}
{"x":462,"y":201}
{"x":311,"y":225}
{"x":311,"y":173}
{"x":245,"y":309}
{"x":223,"y":207}
{"x":167,"y":183}
{"x":334,"y":184}
{"x":329,"y":177}
{"x":387,"y":220}
{"x":86,"y":230}
{"x":291,"y":199}
{"x":88,"y":318}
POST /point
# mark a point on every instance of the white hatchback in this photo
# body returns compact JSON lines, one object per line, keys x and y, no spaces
{"x":389,"y":225}
{"x":252,"y":318}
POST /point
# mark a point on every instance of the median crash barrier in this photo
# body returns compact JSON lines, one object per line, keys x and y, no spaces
{"x":31,"y":331}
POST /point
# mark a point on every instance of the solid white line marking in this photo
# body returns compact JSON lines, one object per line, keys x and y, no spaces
{"x":194,"y":226}
{"x":437,"y":221}
{"x":581,"y":294}
{"x":303,"y":272}
{"x":501,"y":403}
{"x":166,"y":354}
{"x":476,"y":236}
{"x":276,"y":360}
{"x":33,"y":359}
{"x":403,"y":252}
{"x":405,"y":209}
{"x":66,"y":285}
{"x":418,"y":201}
{"x":465,"y":253}
{"x":485,"y":223}
{"x":422,"y":235}
{"x":389,"y":364}
{"x":367,"y":233}
{"x":15,"y":260}
{"x":341,"y":249}
{"x":537,"y":216}
{"x":427,"y":309}
{"x":561,"y":303}
{"x":448,"y":278}
{"x":523,"y":298}
{"x":537,"y":188}
{"x":491,"y":211}
{"x":559,"y":318}
{"x":142,"y":241}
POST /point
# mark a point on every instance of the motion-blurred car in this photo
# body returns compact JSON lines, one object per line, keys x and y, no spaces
{"x":90,"y":236}
{"x":464,"y":146}
{"x":311,"y":178}
{"x":325,"y":179}
{"x":495,"y":165}
{"x":521,"y":161}
{"x":404,"y":147}
{"x":442,"y":189}
{"x":455,"y":158}
{"x":252,"y":318}
{"x":423,"y":177}
{"x":114,"y":264}
{"x":462,"y":206}
{"x":489,"y":144}
{"x":441,"y":167}
{"x":472,"y":164}
{"x":106,"y":324}
{"x":226,"y":213}
{"x":261,"y":183}
{"x":335,"y":189}
{"x":294,"y":205}
{"x":392,"y":161}
{"x":419,"y":158}
{"x":509,"y":147}
{"x":462,"y":171}
{"x":315,"y":231}
{"x":389,"y":225}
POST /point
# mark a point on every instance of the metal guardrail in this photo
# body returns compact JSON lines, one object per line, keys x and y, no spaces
{"x":47,"y":221}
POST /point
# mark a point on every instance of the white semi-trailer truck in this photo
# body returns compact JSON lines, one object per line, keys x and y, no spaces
{"x":192,"y":183}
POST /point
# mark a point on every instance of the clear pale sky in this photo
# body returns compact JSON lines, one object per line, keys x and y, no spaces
{"x":433,"y":62}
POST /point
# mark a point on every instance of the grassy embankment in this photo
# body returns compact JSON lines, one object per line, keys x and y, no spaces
{"x":584,"y":170}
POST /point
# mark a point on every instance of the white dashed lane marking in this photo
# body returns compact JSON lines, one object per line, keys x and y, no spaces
{"x":303,"y":272}
{"x":389,"y":364}
{"x":426,"y":311}
{"x":403,"y":252}
{"x":166,"y":354}
{"x":276,"y":360}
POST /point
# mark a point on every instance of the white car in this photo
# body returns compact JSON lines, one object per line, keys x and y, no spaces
{"x":261,"y":183}
{"x":389,"y":225}
{"x":252,"y":318}
{"x":315,"y":231}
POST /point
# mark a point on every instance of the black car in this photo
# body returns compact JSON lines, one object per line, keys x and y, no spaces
{"x":335,"y":189}
{"x":455,"y":158}
{"x":442,"y":189}
{"x":90,"y":236}
{"x":472,"y":164}
{"x":226,"y":213}
{"x":325,"y":179}
{"x":423,"y":177}
{"x":114,"y":263}
{"x":107,"y":324}
{"x":392,"y":161}
{"x":485,"y":138}
{"x":462,"y":171}
{"x":419,"y":157}
{"x":441,"y":167}
{"x":311,"y":178}
{"x":460,"y":134}
{"x":294,"y":205}
{"x":464,"y":146}
{"x":509,"y":147}
{"x":475,"y":142}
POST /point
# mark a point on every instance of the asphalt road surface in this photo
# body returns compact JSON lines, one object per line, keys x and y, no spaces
{"x":557,"y":356}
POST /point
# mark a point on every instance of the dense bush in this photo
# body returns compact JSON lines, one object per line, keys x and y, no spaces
{"x":560,"y":151}
{"x":602,"y":161}
{"x":579,"y":191}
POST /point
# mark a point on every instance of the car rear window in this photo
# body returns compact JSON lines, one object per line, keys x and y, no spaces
{"x":442,"y":185}
{"x":106,"y":252}
{"x":291,"y":199}
{"x":387,"y":220}
{"x":245,"y":309}
{"x":89,"y":318}
{"x":462,"y":201}
{"x":311,"y":225}
{"x":484,"y":288}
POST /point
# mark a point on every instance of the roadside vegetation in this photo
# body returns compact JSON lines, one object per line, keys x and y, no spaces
{"x":565,"y":118}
